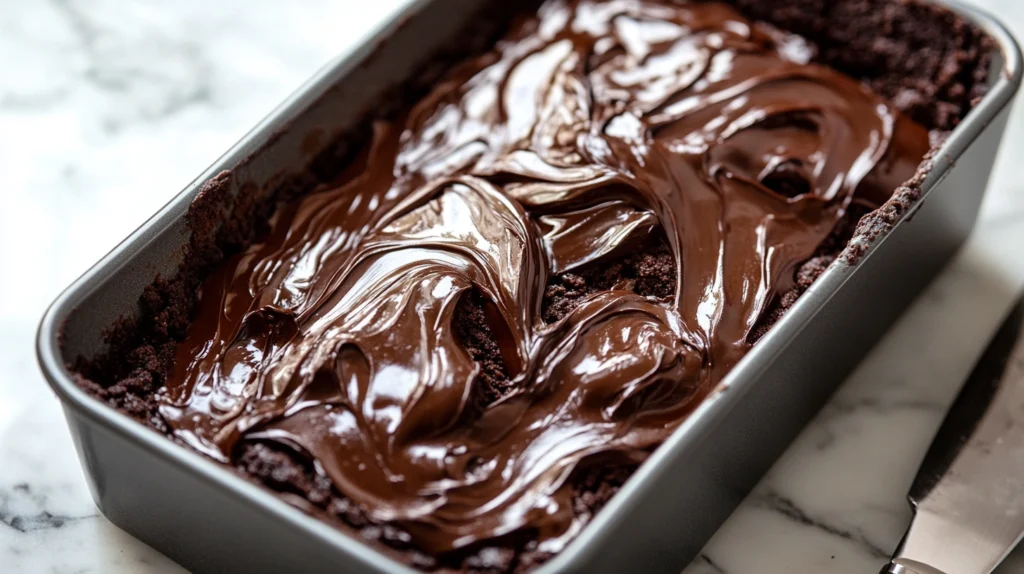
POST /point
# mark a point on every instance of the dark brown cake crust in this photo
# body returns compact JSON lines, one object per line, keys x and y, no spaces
{"x":926,"y":61}
{"x":930,"y":63}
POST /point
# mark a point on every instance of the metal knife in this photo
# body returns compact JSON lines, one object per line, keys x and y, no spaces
{"x":968,"y":497}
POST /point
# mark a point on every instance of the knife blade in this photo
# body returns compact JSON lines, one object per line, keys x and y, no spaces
{"x":968,"y":497}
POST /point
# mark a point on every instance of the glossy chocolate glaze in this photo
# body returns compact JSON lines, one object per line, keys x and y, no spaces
{"x":588,"y":128}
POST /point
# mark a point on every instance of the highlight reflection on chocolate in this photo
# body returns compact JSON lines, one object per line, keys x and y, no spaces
{"x":589,"y":127}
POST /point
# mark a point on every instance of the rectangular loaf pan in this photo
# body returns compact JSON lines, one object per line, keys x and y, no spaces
{"x":208,"y":519}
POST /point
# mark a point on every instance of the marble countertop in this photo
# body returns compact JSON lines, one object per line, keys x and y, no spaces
{"x":107,"y":109}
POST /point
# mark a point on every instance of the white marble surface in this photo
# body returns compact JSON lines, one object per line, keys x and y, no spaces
{"x":108,"y":108}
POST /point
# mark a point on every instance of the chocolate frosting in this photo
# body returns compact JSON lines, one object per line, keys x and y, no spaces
{"x":589,"y":127}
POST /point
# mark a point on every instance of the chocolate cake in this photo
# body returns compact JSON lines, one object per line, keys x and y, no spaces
{"x":458,"y":337}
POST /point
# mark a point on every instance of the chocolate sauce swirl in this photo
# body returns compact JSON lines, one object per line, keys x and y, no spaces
{"x":588,"y":128}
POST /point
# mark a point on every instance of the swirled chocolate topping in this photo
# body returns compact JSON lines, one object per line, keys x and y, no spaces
{"x":590,"y":127}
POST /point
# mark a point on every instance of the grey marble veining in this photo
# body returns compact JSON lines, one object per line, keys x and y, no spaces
{"x":108,"y":108}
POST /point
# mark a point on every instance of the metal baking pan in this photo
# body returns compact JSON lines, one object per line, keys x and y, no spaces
{"x":207,"y":518}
